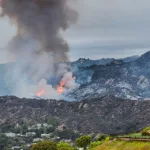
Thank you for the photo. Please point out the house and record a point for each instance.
(10, 134)
(45, 135)
(61, 127)
(30, 134)
(16, 148)
(37, 139)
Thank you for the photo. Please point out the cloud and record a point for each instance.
(112, 26)
(102, 26)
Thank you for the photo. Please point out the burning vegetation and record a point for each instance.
(60, 88)
(41, 93)
(38, 44)
(64, 84)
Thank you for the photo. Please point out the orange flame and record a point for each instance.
(41, 93)
(60, 88)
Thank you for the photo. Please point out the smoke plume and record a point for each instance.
(38, 45)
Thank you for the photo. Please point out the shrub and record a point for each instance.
(95, 144)
(46, 145)
(107, 138)
(102, 137)
(146, 132)
(83, 141)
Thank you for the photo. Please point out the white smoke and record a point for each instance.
(32, 70)
(38, 47)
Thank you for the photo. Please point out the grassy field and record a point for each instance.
(139, 134)
(123, 145)
(135, 135)
(133, 141)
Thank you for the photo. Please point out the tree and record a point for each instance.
(24, 129)
(64, 146)
(46, 145)
(101, 137)
(53, 121)
(146, 132)
(83, 141)
(3, 141)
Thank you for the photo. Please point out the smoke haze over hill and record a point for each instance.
(38, 45)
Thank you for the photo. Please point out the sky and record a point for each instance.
(106, 28)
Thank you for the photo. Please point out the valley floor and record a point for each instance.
(123, 145)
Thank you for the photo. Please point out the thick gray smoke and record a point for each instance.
(38, 44)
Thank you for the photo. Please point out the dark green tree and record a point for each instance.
(3, 142)
(101, 137)
(53, 121)
(83, 141)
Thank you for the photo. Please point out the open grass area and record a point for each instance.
(123, 145)
(135, 135)
(132, 141)
(143, 134)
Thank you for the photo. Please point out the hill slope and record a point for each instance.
(106, 115)
(123, 145)
(129, 80)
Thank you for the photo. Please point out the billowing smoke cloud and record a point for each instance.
(38, 45)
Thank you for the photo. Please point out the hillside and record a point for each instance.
(133, 141)
(123, 145)
(123, 79)
(103, 115)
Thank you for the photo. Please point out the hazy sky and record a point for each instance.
(106, 28)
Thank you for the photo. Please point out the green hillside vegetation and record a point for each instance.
(127, 142)
(146, 131)
(123, 145)
(132, 141)
(141, 135)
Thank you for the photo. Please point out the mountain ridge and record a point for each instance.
(129, 80)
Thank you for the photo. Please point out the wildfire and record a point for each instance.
(60, 88)
(41, 93)
(64, 84)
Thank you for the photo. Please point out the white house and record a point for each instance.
(29, 134)
(45, 135)
(10, 134)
